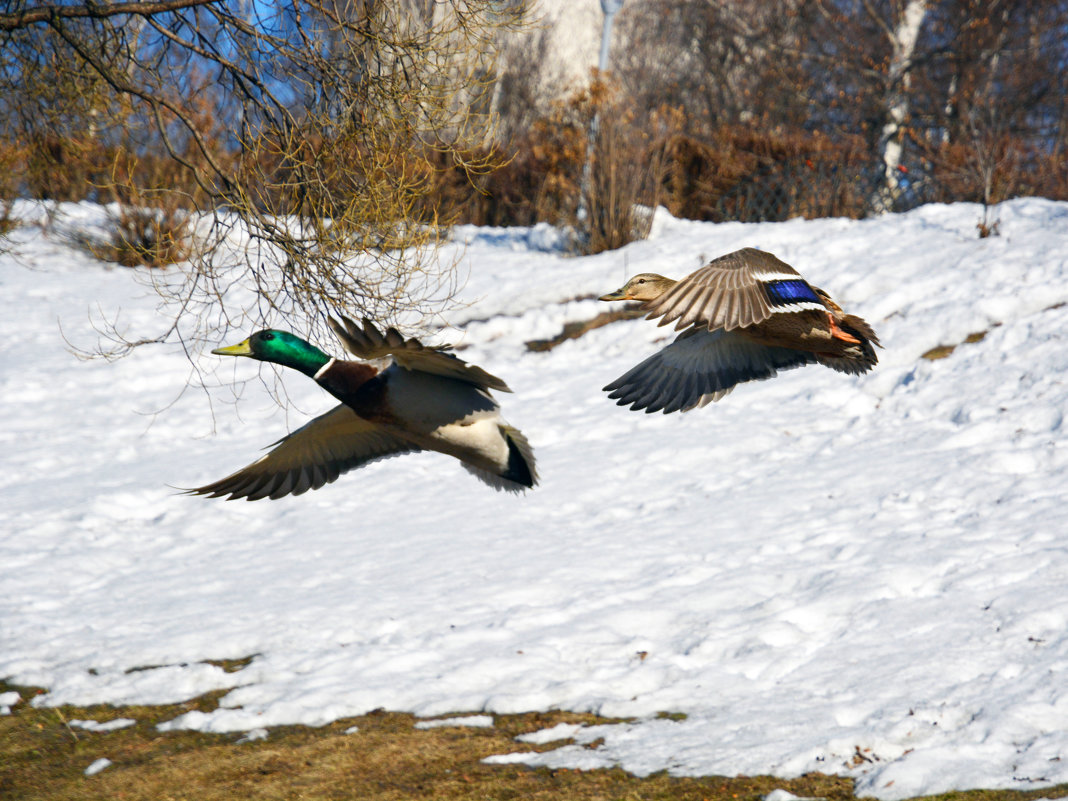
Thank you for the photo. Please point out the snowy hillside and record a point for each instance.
(864, 576)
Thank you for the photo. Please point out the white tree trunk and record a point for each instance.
(903, 39)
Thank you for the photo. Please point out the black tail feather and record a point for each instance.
(520, 459)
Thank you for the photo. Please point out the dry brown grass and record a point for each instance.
(574, 330)
(43, 758)
(942, 351)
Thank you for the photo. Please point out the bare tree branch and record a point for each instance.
(32, 16)
(308, 133)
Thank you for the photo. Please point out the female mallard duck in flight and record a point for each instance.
(747, 315)
(426, 399)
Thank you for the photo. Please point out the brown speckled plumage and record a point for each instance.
(743, 317)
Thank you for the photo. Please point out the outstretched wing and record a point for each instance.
(313, 455)
(737, 290)
(700, 366)
(367, 342)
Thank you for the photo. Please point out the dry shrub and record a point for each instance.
(7, 222)
(65, 168)
(990, 172)
(962, 172)
(639, 161)
(150, 212)
(146, 236)
(541, 181)
(626, 177)
(745, 173)
(117, 160)
(372, 191)
(542, 174)
(1045, 176)
(537, 179)
(751, 175)
(11, 159)
(12, 162)
(69, 168)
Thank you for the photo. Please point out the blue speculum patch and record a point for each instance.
(782, 293)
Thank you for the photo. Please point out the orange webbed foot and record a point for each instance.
(838, 333)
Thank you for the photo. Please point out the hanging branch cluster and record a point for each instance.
(307, 130)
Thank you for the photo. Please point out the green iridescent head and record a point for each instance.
(279, 347)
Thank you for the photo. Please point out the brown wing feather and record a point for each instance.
(726, 293)
(367, 342)
(312, 456)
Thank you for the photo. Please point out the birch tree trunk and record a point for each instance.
(903, 38)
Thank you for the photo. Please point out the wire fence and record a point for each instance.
(799, 187)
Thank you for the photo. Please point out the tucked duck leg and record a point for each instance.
(838, 333)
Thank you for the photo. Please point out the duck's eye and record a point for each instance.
(641, 280)
(267, 336)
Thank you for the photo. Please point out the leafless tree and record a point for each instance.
(908, 75)
(902, 31)
(723, 61)
(306, 130)
(989, 107)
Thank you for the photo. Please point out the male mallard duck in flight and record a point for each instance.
(426, 399)
(747, 315)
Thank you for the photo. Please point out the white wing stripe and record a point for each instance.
(765, 276)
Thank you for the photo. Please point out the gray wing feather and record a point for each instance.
(312, 456)
(700, 366)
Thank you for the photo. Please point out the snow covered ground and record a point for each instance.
(864, 576)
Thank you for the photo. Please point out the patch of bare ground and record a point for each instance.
(576, 329)
(380, 756)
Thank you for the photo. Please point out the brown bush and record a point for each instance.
(990, 172)
(746, 173)
(11, 159)
(146, 236)
(750, 175)
(541, 177)
(537, 180)
(731, 173)
(63, 168)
